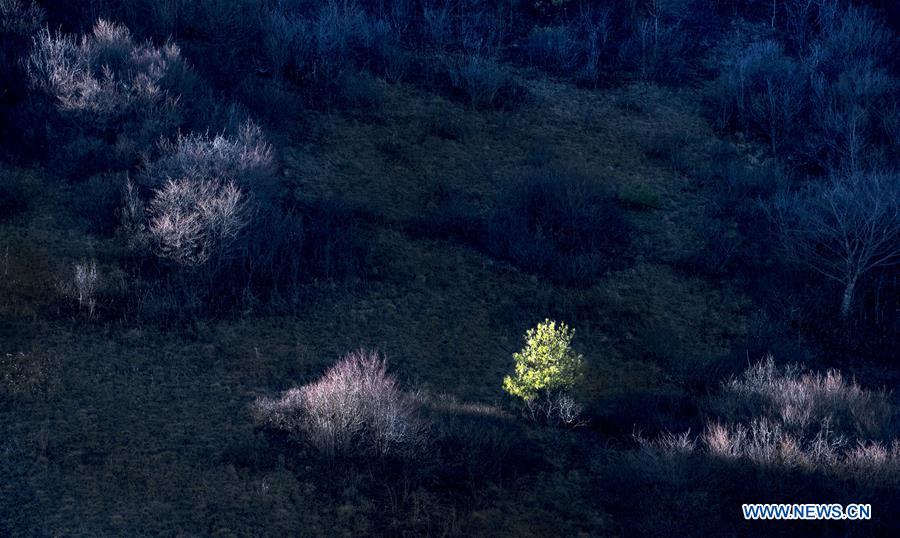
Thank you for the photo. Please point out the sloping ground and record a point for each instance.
(137, 430)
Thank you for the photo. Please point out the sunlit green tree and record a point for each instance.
(547, 369)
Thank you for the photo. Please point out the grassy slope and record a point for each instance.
(138, 427)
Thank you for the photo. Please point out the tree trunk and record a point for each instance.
(847, 300)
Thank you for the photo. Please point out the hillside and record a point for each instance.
(147, 341)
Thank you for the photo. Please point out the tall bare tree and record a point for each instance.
(843, 228)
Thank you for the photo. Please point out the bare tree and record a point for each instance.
(82, 287)
(356, 407)
(843, 228)
(191, 222)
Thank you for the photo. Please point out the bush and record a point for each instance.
(804, 402)
(547, 370)
(652, 41)
(277, 258)
(658, 50)
(108, 91)
(854, 85)
(203, 190)
(325, 48)
(321, 47)
(850, 35)
(766, 443)
(738, 188)
(319, 240)
(354, 409)
(18, 17)
(562, 226)
(787, 418)
(845, 118)
(554, 49)
(210, 207)
(222, 36)
(481, 81)
(820, 102)
(245, 159)
(760, 90)
(193, 222)
(81, 288)
(19, 21)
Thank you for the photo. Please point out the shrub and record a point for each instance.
(93, 291)
(554, 49)
(323, 49)
(650, 40)
(323, 46)
(845, 117)
(354, 409)
(222, 37)
(804, 402)
(481, 81)
(658, 49)
(245, 159)
(761, 90)
(738, 187)
(547, 370)
(563, 226)
(821, 101)
(108, 91)
(83, 286)
(19, 21)
(275, 258)
(193, 222)
(849, 35)
(787, 418)
(286, 249)
(20, 17)
(767, 443)
(203, 192)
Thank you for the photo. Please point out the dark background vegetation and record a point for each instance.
(204, 203)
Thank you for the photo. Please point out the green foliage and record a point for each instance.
(546, 364)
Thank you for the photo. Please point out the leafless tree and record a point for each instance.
(355, 407)
(843, 228)
(106, 75)
(83, 286)
(193, 221)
